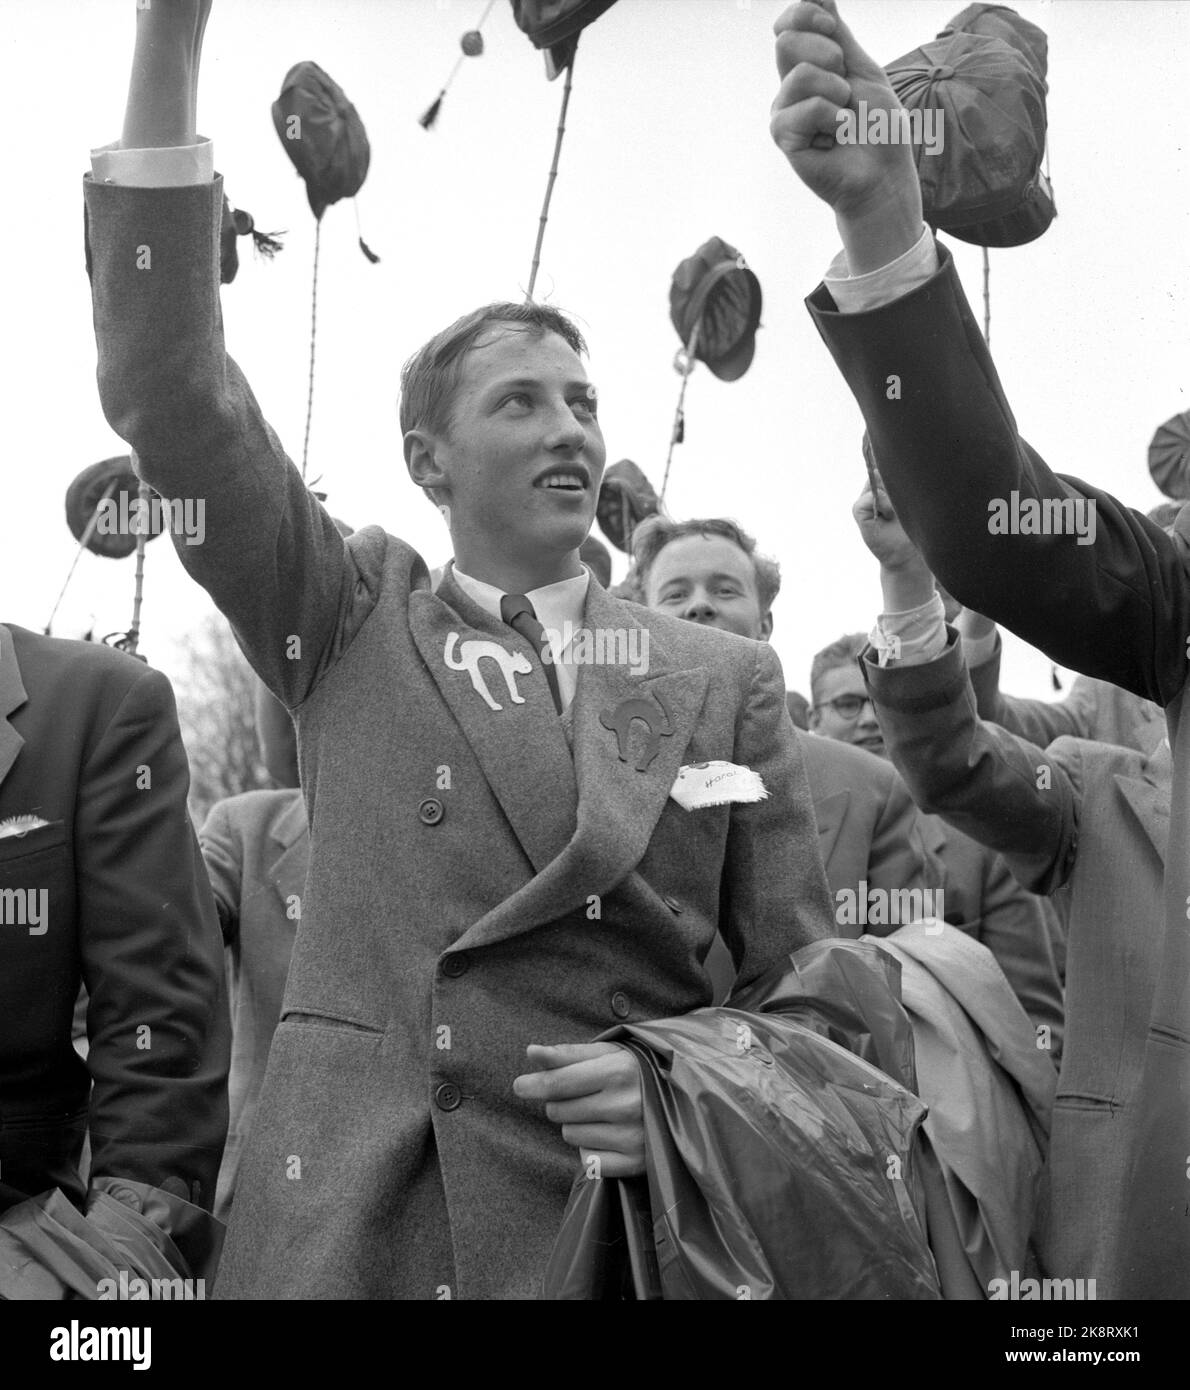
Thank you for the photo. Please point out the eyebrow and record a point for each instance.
(711, 579)
(519, 382)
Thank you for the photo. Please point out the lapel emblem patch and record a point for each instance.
(655, 717)
(471, 652)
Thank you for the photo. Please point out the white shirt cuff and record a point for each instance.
(173, 166)
(854, 294)
(911, 638)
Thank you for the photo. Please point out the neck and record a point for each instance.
(517, 576)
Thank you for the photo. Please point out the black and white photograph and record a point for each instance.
(594, 616)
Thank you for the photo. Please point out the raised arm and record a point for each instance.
(1039, 721)
(163, 88)
(1115, 606)
(991, 784)
(254, 535)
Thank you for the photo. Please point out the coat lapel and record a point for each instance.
(288, 870)
(521, 748)
(12, 697)
(829, 813)
(618, 804)
(1149, 798)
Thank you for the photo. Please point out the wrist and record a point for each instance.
(905, 587)
(881, 228)
(162, 87)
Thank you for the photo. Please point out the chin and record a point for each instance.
(566, 535)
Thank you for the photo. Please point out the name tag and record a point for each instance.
(716, 784)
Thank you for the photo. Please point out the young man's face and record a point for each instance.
(846, 684)
(523, 454)
(708, 579)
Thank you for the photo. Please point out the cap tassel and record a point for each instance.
(266, 243)
(471, 44)
(363, 245)
(428, 117)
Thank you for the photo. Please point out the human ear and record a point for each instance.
(422, 462)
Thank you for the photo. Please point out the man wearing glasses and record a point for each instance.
(840, 707)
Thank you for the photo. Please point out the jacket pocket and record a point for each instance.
(1081, 1100)
(45, 837)
(307, 1018)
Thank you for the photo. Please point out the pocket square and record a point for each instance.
(716, 784)
(20, 825)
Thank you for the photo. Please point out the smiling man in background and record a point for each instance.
(709, 572)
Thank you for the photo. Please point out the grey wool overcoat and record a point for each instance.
(474, 885)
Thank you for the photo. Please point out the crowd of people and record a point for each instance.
(387, 1030)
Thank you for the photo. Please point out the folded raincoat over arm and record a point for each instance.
(782, 1156)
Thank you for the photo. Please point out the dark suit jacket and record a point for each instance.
(868, 827)
(257, 851)
(870, 830)
(89, 743)
(474, 887)
(1118, 609)
(1091, 815)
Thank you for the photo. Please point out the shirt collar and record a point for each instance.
(556, 605)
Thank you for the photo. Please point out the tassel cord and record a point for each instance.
(691, 348)
(987, 299)
(313, 334)
(142, 539)
(430, 115)
(549, 187)
(88, 532)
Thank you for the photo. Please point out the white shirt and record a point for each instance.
(853, 294)
(559, 608)
(919, 635)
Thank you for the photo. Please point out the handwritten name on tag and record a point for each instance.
(716, 784)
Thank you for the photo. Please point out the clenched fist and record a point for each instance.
(873, 188)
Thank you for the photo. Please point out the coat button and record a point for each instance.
(620, 1005)
(448, 1096)
(430, 811)
(456, 965)
(672, 903)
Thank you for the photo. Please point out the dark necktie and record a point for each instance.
(517, 612)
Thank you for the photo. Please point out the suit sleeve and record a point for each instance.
(1039, 721)
(774, 896)
(950, 453)
(222, 853)
(269, 555)
(993, 785)
(152, 957)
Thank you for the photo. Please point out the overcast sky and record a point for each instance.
(667, 144)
